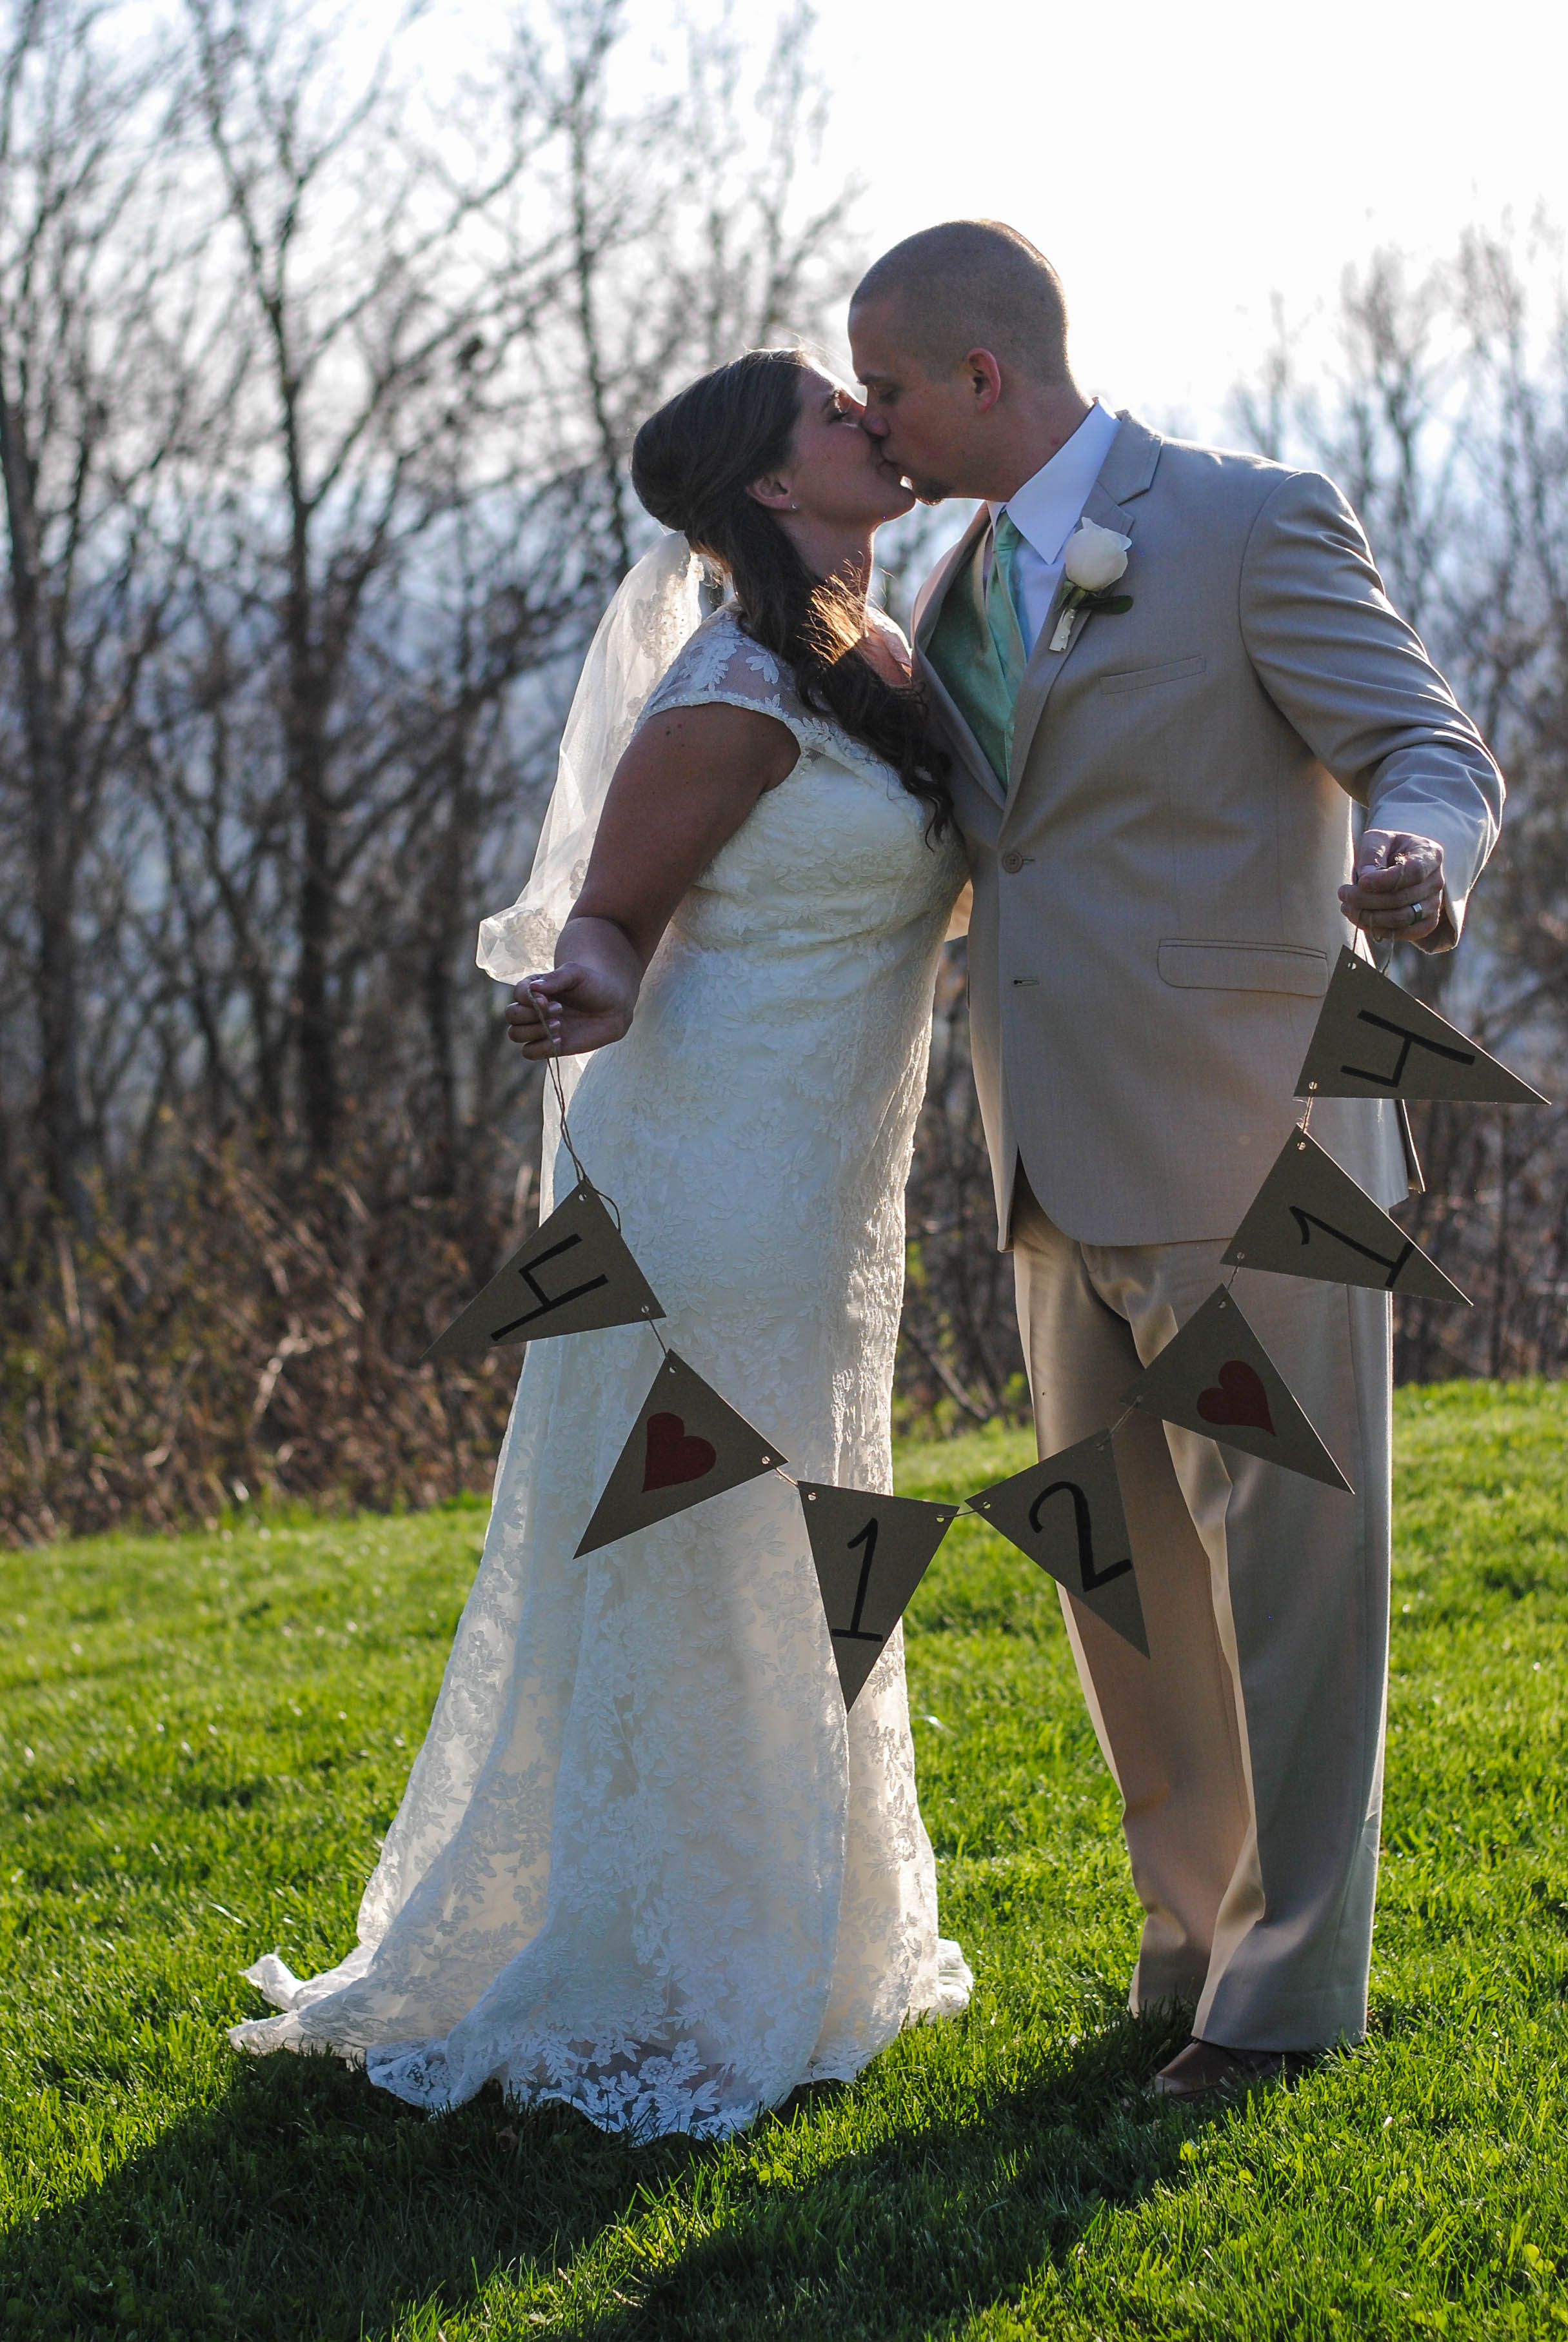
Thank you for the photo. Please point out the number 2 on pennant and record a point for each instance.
(852, 1633)
(1091, 1576)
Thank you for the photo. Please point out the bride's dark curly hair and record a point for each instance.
(692, 464)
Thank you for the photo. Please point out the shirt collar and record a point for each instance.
(1046, 509)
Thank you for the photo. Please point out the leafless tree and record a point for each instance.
(318, 487)
(1445, 419)
(101, 406)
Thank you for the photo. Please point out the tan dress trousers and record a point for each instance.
(1248, 1746)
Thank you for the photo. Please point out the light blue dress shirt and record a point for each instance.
(1047, 510)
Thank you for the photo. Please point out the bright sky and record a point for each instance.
(1182, 163)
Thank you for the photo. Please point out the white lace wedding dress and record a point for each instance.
(643, 1864)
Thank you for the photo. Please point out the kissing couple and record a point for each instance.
(646, 1865)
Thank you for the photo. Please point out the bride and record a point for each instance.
(644, 1865)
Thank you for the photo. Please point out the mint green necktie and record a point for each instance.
(976, 646)
(1001, 605)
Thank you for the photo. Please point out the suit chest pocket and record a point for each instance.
(1143, 679)
(1205, 966)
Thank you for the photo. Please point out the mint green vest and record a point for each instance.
(964, 656)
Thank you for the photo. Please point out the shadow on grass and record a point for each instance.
(907, 2241)
(305, 2205)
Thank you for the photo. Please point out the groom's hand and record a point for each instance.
(1397, 892)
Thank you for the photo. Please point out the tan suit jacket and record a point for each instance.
(1156, 907)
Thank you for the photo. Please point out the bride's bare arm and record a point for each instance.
(682, 789)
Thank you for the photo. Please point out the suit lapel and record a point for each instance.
(1126, 472)
(952, 573)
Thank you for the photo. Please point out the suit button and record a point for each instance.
(1012, 861)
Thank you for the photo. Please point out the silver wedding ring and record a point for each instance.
(1417, 913)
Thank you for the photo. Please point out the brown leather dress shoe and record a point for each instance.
(1207, 2070)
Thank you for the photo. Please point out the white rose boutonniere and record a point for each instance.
(1095, 557)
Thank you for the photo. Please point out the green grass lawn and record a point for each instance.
(201, 1738)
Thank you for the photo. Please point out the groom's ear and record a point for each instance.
(983, 372)
(771, 490)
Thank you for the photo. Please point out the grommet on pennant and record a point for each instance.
(1374, 1039)
(1067, 1514)
(574, 1274)
(687, 1444)
(871, 1553)
(1216, 1377)
(1310, 1218)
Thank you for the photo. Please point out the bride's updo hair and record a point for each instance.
(692, 464)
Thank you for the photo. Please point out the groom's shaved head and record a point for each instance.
(972, 284)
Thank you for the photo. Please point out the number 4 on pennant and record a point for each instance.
(574, 1274)
(1374, 1039)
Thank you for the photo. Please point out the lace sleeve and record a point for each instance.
(722, 664)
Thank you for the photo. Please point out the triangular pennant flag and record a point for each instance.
(1309, 1218)
(871, 1553)
(1217, 1378)
(1066, 1514)
(575, 1273)
(687, 1444)
(1374, 1039)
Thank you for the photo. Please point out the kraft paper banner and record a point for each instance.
(575, 1273)
(871, 1553)
(1217, 1378)
(1373, 1039)
(1310, 1218)
(1066, 1514)
(687, 1443)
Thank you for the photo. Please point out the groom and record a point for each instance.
(1157, 803)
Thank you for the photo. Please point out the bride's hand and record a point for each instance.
(566, 1011)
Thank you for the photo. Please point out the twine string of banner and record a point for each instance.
(1216, 1405)
(553, 1071)
(614, 1209)
(608, 1201)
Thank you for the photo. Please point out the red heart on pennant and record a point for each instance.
(675, 1456)
(1237, 1396)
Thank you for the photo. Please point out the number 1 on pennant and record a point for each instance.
(871, 1552)
(852, 1633)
